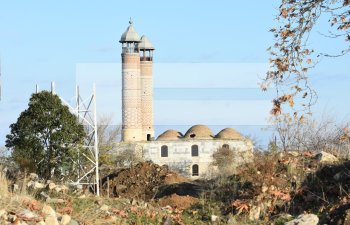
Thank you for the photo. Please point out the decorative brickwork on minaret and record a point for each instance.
(131, 102)
(147, 98)
(131, 86)
(146, 67)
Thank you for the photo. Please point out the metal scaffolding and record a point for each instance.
(86, 165)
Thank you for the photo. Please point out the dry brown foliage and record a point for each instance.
(291, 56)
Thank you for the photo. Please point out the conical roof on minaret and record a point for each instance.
(145, 43)
(130, 35)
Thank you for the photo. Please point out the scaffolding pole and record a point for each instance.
(96, 143)
(86, 112)
(87, 165)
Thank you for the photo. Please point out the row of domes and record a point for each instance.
(130, 35)
(199, 132)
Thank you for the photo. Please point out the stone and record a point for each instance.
(61, 188)
(12, 218)
(52, 185)
(134, 202)
(15, 188)
(33, 176)
(272, 188)
(264, 188)
(65, 219)
(48, 211)
(51, 220)
(26, 214)
(30, 184)
(44, 195)
(304, 219)
(213, 218)
(254, 213)
(325, 157)
(38, 185)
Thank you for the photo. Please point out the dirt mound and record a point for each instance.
(140, 181)
(173, 178)
(180, 202)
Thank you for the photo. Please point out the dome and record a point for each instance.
(170, 135)
(199, 132)
(228, 133)
(130, 35)
(145, 44)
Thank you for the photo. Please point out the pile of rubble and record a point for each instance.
(30, 212)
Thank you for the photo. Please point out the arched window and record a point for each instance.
(226, 146)
(194, 150)
(164, 151)
(195, 170)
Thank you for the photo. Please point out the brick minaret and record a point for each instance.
(131, 86)
(146, 67)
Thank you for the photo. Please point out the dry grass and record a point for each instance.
(3, 184)
(8, 200)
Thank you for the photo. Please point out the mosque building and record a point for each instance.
(191, 153)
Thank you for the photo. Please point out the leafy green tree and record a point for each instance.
(45, 137)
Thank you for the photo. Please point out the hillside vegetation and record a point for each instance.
(274, 188)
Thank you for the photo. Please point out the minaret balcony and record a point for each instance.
(130, 50)
(146, 58)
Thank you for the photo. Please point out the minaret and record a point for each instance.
(131, 86)
(146, 67)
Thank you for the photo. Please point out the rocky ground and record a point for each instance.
(276, 188)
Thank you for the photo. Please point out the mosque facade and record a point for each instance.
(189, 153)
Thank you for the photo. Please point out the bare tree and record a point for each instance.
(3, 151)
(224, 160)
(287, 131)
(126, 157)
(324, 135)
(108, 136)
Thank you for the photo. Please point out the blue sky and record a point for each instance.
(43, 41)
